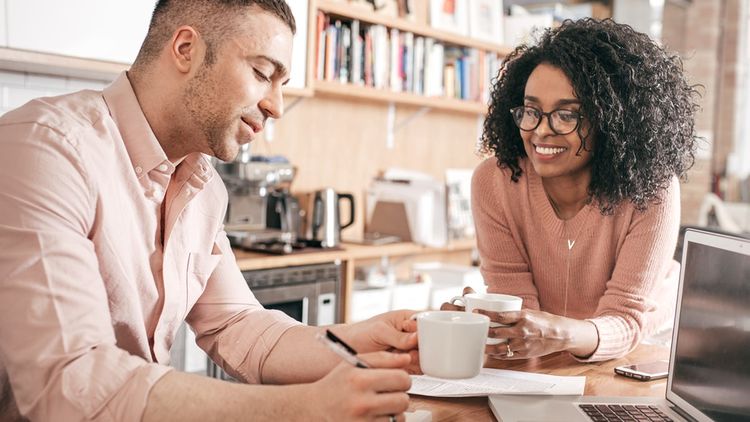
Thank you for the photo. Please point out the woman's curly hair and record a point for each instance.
(633, 92)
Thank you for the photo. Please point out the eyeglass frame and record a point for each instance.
(548, 114)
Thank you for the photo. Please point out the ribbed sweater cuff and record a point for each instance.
(615, 338)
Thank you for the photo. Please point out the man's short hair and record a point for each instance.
(213, 19)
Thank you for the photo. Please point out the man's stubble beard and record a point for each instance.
(200, 98)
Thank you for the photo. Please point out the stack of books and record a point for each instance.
(353, 52)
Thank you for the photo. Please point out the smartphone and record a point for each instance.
(645, 371)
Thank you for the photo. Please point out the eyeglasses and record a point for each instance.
(562, 122)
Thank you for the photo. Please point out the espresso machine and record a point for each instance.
(258, 188)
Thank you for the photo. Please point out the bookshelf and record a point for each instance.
(337, 89)
(472, 62)
(344, 11)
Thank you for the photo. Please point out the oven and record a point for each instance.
(307, 293)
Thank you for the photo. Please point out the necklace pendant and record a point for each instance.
(571, 243)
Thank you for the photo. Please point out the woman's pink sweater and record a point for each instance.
(618, 271)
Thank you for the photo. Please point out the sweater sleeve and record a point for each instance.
(643, 263)
(505, 266)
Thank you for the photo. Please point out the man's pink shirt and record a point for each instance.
(90, 298)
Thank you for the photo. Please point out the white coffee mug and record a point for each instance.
(451, 344)
(494, 302)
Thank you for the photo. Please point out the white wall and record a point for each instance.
(643, 15)
(111, 30)
(17, 88)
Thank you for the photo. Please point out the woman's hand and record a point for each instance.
(532, 333)
(449, 306)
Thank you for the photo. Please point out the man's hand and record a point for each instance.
(348, 393)
(391, 331)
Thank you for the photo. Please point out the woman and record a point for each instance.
(578, 210)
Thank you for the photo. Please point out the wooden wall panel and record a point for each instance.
(342, 144)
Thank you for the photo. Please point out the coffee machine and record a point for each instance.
(257, 188)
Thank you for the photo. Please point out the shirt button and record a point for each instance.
(138, 169)
(163, 167)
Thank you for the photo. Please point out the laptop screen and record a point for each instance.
(711, 357)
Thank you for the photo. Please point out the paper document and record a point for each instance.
(497, 381)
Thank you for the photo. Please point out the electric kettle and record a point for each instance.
(326, 216)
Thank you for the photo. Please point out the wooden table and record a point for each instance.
(600, 381)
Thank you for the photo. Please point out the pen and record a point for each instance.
(348, 353)
(342, 349)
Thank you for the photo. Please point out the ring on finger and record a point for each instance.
(392, 418)
(510, 352)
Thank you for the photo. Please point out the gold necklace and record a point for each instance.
(556, 208)
(571, 243)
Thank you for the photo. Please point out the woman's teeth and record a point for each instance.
(548, 151)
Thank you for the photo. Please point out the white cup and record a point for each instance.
(451, 344)
(494, 302)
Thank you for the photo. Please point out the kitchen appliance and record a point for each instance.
(324, 218)
(248, 185)
(258, 187)
(283, 213)
(412, 209)
(307, 293)
(284, 218)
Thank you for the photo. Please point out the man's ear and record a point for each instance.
(186, 48)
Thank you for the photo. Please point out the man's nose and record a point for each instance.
(272, 104)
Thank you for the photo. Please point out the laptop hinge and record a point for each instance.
(683, 414)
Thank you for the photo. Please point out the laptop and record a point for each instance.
(709, 370)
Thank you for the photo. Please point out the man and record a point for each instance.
(111, 234)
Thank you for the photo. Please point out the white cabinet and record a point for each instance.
(110, 30)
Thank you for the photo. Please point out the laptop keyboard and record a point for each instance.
(625, 413)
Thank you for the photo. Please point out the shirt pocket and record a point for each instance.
(199, 270)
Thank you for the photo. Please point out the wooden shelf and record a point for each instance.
(346, 11)
(297, 92)
(349, 251)
(258, 261)
(357, 251)
(337, 89)
(55, 64)
(365, 93)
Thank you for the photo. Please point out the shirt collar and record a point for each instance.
(140, 141)
(145, 151)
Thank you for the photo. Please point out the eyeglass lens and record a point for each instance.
(562, 122)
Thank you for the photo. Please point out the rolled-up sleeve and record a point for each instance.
(57, 343)
(230, 324)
